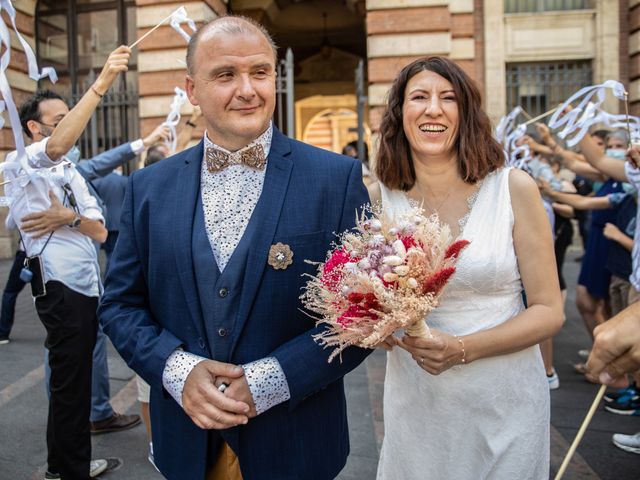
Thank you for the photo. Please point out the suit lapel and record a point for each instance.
(187, 192)
(262, 227)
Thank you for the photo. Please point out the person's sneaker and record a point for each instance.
(96, 467)
(622, 394)
(628, 443)
(4, 340)
(150, 457)
(554, 380)
(625, 406)
(116, 423)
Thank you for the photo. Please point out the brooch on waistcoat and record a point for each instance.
(280, 256)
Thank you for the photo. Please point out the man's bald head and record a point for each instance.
(229, 24)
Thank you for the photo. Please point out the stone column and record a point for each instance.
(494, 59)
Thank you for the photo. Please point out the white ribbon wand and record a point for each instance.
(178, 16)
(576, 119)
(507, 124)
(173, 118)
(583, 428)
(5, 88)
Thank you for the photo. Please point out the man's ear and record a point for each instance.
(189, 87)
(32, 125)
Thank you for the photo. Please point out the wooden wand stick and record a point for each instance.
(583, 428)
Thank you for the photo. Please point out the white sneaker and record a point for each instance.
(628, 443)
(96, 467)
(554, 380)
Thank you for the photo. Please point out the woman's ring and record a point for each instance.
(422, 360)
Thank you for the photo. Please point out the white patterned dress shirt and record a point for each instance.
(229, 197)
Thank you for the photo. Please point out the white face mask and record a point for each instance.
(73, 155)
(617, 154)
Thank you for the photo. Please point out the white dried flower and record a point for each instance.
(364, 264)
(401, 270)
(390, 277)
(399, 247)
(412, 283)
(392, 260)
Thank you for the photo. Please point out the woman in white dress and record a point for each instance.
(473, 401)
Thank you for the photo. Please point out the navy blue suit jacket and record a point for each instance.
(152, 305)
(111, 189)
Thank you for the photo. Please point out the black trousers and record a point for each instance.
(71, 322)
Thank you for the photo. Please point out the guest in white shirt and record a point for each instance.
(58, 219)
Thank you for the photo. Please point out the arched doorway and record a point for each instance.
(329, 122)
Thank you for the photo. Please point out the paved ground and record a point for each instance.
(23, 410)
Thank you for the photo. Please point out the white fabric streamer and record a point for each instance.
(518, 155)
(173, 118)
(178, 18)
(577, 121)
(5, 90)
(507, 124)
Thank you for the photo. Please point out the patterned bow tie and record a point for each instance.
(253, 157)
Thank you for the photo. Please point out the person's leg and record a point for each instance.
(100, 393)
(71, 323)
(144, 397)
(546, 348)
(590, 308)
(11, 290)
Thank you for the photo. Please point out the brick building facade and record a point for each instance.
(529, 52)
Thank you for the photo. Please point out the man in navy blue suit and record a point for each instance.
(201, 297)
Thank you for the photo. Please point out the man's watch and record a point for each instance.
(77, 220)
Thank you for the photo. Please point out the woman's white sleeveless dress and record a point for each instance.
(488, 419)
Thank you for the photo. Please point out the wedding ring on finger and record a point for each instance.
(421, 360)
(222, 387)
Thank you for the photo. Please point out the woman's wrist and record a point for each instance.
(463, 351)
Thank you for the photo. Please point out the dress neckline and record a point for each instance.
(471, 202)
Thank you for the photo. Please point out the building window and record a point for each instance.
(524, 6)
(538, 87)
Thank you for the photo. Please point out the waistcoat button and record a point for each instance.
(223, 292)
(222, 332)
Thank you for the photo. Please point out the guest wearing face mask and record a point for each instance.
(592, 292)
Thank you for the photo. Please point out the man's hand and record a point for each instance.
(616, 346)
(544, 132)
(47, 221)
(205, 404)
(611, 232)
(161, 133)
(238, 389)
(117, 63)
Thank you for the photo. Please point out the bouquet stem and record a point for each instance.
(418, 329)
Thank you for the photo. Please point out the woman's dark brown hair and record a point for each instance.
(478, 152)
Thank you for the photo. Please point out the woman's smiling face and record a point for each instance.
(430, 115)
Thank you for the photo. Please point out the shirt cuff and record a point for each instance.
(137, 146)
(267, 383)
(176, 370)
